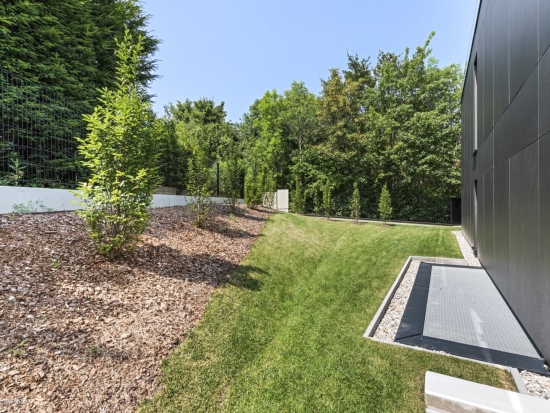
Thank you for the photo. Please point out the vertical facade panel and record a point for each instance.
(488, 46)
(481, 219)
(500, 53)
(544, 94)
(488, 216)
(480, 88)
(544, 163)
(501, 273)
(518, 127)
(523, 42)
(544, 26)
(524, 239)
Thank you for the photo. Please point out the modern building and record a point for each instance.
(506, 156)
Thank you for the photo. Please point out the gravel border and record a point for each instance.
(537, 385)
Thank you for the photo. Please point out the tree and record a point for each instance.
(231, 167)
(121, 154)
(69, 45)
(171, 165)
(355, 205)
(199, 188)
(384, 206)
(298, 199)
(327, 199)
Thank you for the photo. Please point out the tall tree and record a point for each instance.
(69, 45)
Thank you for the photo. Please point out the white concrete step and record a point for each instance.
(452, 395)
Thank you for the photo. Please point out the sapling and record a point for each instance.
(120, 151)
(384, 206)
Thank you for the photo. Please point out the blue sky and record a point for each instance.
(235, 50)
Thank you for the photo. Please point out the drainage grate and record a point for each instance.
(460, 311)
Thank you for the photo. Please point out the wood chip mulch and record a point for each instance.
(80, 333)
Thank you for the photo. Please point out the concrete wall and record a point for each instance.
(512, 165)
(42, 200)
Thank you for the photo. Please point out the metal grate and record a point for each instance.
(464, 306)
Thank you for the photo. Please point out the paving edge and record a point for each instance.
(375, 322)
(451, 394)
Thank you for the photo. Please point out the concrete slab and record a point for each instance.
(449, 394)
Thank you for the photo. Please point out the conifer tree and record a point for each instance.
(384, 206)
(327, 199)
(355, 203)
(298, 199)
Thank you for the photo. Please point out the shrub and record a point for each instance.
(384, 206)
(199, 188)
(355, 205)
(120, 152)
(299, 199)
(252, 189)
(327, 199)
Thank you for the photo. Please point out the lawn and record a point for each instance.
(285, 335)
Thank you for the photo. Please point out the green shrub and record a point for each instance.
(327, 199)
(299, 199)
(199, 187)
(384, 206)
(120, 152)
(355, 205)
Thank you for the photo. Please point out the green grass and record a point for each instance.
(286, 334)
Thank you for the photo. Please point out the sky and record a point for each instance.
(235, 50)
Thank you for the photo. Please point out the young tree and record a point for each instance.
(232, 168)
(355, 205)
(327, 199)
(199, 188)
(298, 199)
(384, 206)
(121, 154)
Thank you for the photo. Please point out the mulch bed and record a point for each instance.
(80, 333)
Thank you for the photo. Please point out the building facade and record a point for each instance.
(506, 156)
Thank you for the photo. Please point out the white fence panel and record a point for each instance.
(23, 199)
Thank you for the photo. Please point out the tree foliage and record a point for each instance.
(394, 122)
(69, 45)
(384, 206)
(121, 154)
(355, 204)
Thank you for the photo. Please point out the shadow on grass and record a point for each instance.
(241, 277)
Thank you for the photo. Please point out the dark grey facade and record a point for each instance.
(506, 156)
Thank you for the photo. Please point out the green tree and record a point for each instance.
(327, 199)
(355, 205)
(384, 206)
(121, 154)
(171, 165)
(69, 45)
(298, 199)
(199, 187)
(231, 168)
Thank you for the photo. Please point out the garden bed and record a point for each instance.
(80, 333)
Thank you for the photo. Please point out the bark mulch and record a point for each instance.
(79, 333)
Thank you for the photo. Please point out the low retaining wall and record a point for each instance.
(23, 199)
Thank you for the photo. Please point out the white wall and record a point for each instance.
(282, 200)
(44, 199)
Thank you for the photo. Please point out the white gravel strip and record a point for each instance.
(387, 329)
(536, 384)
(466, 250)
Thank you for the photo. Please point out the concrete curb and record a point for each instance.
(450, 394)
